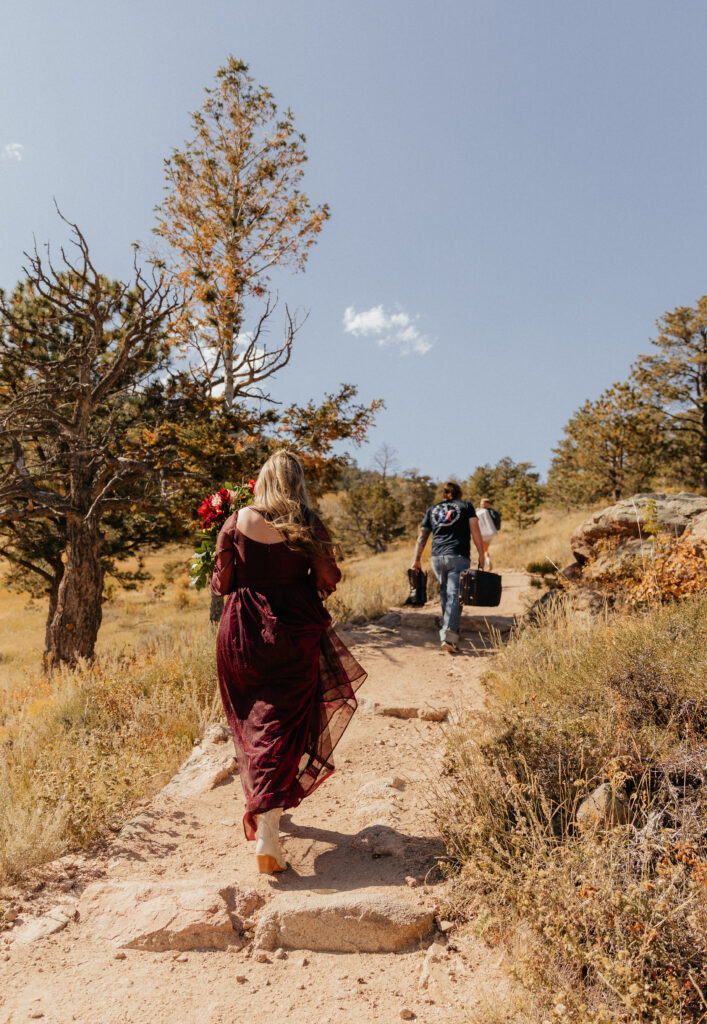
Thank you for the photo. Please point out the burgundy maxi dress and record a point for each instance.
(287, 682)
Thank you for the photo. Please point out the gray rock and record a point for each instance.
(212, 761)
(603, 808)
(158, 916)
(380, 840)
(626, 520)
(378, 812)
(53, 921)
(390, 619)
(343, 923)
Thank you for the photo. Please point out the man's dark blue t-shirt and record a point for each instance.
(449, 523)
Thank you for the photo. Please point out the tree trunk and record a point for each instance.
(216, 610)
(703, 433)
(53, 598)
(77, 616)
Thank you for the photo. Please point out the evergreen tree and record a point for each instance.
(611, 447)
(233, 211)
(371, 516)
(415, 492)
(673, 381)
(521, 500)
(77, 354)
(505, 485)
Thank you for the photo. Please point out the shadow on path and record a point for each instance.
(376, 856)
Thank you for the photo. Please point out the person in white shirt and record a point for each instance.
(489, 524)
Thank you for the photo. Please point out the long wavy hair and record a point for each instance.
(280, 496)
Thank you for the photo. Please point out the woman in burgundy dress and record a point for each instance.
(286, 680)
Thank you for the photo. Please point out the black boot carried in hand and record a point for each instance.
(417, 579)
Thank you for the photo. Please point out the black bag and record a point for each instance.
(417, 580)
(480, 588)
(495, 518)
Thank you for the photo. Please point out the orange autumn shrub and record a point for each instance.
(676, 568)
(666, 569)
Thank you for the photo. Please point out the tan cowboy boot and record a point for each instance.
(268, 852)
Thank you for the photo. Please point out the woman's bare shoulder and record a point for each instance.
(249, 515)
(253, 525)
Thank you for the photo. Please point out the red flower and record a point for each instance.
(214, 510)
(251, 485)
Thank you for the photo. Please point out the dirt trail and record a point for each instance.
(338, 841)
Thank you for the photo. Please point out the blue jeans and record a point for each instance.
(447, 569)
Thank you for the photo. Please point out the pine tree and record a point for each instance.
(77, 353)
(371, 516)
(673, 382)
(501, 483)
(610, 448)
(233, 211)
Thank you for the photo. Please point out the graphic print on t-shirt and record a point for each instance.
(448, 521)
(445, 513)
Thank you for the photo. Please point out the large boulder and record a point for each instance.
(611, 546)
(626, 522)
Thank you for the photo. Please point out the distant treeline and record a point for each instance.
(372, 507)
(647, 433)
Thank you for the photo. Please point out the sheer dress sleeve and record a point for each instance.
(325, 571)
(222, 579)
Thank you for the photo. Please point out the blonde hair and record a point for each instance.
(280, 496)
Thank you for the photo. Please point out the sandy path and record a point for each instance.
(72, 977)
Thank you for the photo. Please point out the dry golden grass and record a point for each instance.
(371, 585)
(80, 749)
(548, 539)
(578, 703)
(130, 617)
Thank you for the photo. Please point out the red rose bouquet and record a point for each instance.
(213, 512)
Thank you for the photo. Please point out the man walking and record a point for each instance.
(452, 523)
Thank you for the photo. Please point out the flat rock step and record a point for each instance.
(157, 916)
(344, 923)
(212, 761)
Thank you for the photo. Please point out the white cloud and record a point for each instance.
(14, 151)
(398, 329)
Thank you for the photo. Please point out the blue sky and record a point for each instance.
(518, 187)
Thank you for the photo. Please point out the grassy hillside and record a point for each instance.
(166, 602)
(605, 924)
(81, 748)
